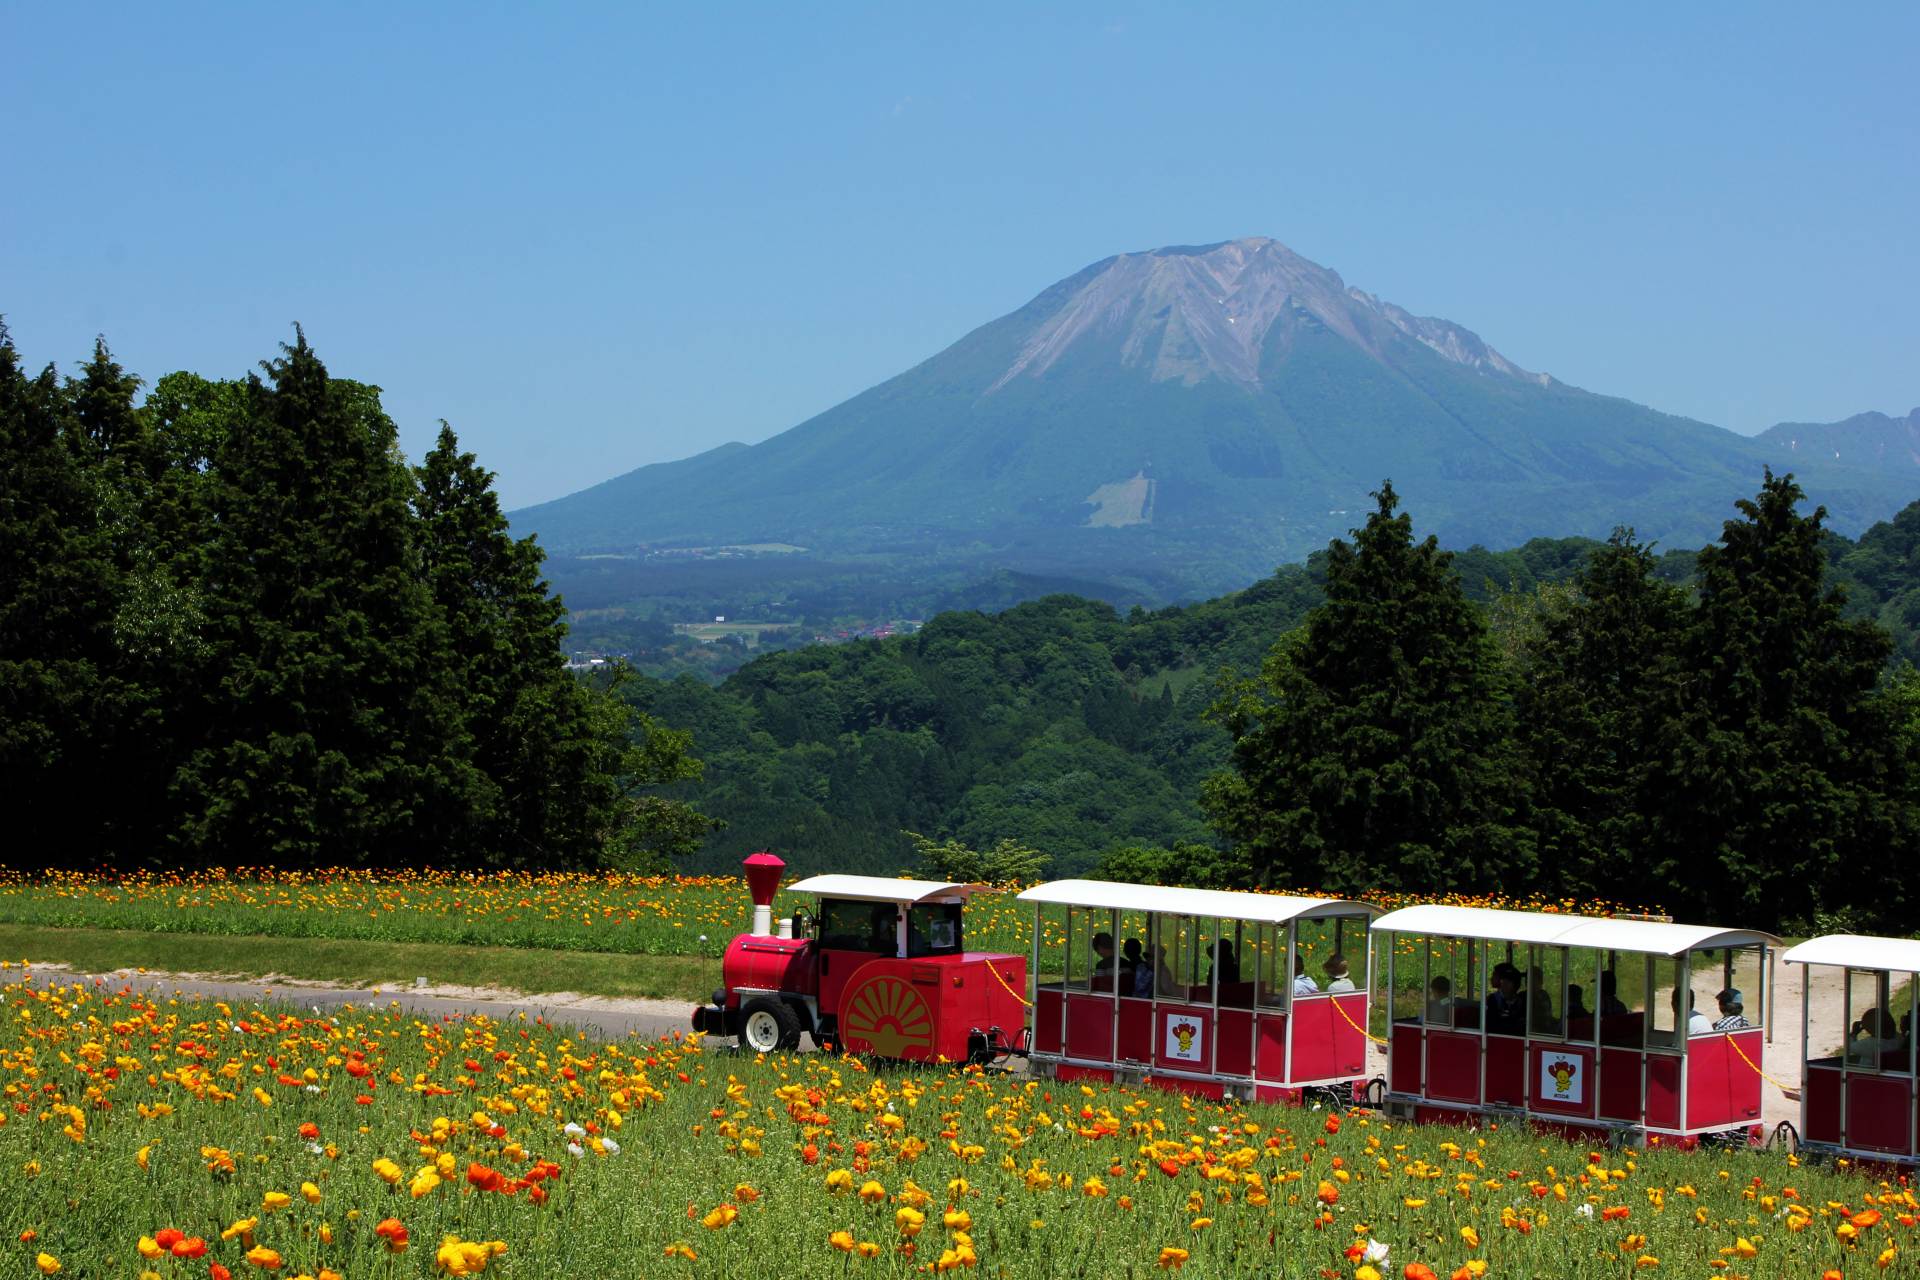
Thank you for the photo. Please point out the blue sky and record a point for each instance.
(597, 237)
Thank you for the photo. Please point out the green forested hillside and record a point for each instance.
(1068, 725)
(1059, 722)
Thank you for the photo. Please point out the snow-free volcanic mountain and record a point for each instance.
(1189, 417)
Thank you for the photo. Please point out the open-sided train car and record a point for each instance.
(1632, 1028)
(1206, 991)
(1859, 1096)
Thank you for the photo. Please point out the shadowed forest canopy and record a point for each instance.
(237, 629)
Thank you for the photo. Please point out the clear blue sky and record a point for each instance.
(594, 238)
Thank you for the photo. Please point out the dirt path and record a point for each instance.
(611, 1018)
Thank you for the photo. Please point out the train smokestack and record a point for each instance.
(763, 881)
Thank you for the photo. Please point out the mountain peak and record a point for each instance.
(1186, 313)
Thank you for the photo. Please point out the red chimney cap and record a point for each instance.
(763, 876)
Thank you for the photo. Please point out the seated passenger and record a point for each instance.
(1225, 967)
(1732, 1011)
(1577, 1003)
(1337, 979)
(1303, 983)
(1540, 1003)
(1129, 965)
(1506, 1014)
(1611, 1005)
(1697, 1022)
(1156, 977)
(1103, 963)
(1876, 1033)
(1440, 1001)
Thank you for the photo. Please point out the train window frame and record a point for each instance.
(868, 911)
(919, 945)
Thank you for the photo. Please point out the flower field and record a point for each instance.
(642, 915)
(173, 1139)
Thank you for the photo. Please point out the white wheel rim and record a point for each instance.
(762, 1031)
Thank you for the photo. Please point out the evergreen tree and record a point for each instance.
(57, 592)
(542, 797)
(150, 616)
(330, 736)
(1595, 679)
(1787, 791)
(1374, 748)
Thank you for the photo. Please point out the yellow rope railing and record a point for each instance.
(1356, 1026)
(1008, 985)
(1790, 1092)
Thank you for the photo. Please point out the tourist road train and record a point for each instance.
(1605, 1028)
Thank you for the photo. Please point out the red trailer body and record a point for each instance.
(1201, 990)
(1490, 1018)
(1860, 1094)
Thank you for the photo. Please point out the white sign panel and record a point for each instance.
(1186, 1038)
(1563, 1079)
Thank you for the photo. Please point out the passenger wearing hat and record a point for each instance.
(1731, 1016)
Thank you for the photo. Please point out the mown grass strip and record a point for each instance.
(366, 964)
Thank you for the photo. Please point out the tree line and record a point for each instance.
(238, 628)
(1739, 752)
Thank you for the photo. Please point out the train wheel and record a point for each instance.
(769, 1026)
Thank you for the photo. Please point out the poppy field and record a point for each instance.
(162, 1138)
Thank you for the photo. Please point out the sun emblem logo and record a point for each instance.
(890, 1017)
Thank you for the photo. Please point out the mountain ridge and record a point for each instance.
(1253, 398)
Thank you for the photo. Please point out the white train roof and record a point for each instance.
(1221, 904)
(1652, 937)
(881, 889)
(1857, 951)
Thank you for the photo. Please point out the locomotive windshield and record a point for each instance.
(848, 925)
(933, 929)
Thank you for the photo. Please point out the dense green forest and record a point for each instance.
(1091, 735)
(238, 629)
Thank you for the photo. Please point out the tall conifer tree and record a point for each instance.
(539, 796)
(57, 591)
(327, 737)
(1594, 682)
(1374, 749)
(1787, 790)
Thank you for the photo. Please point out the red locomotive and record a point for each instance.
(881, 969)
